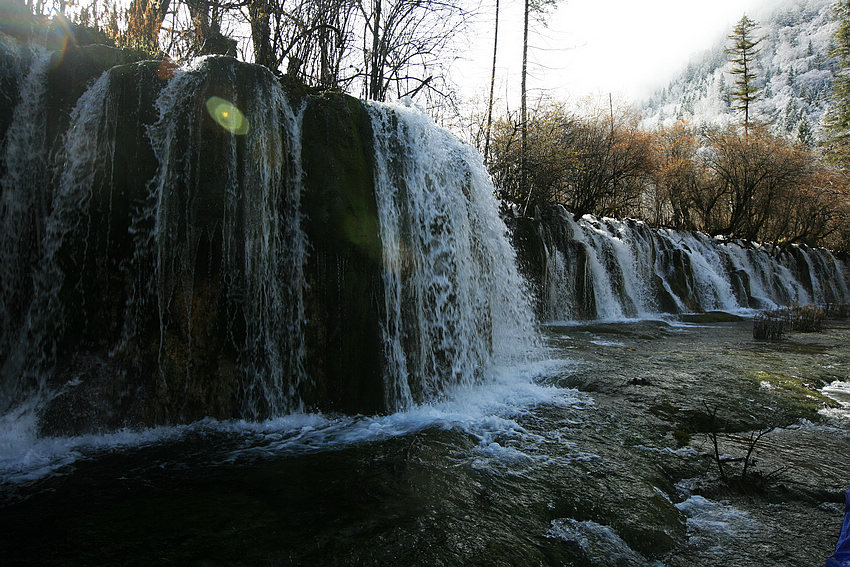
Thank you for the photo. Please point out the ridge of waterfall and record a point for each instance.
(65, 212)
(263, 247)
(613, 269)
(24, 202)
(455, 302)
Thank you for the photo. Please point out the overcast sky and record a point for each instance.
(593, 47)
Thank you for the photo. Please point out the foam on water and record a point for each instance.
(713, 526)
(488, 413)
(599, 545)
(840, 392)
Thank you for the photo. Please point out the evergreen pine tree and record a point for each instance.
(742, 56)
(791, 113)
(837, 121)
(805, 134)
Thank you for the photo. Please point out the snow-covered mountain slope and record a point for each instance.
(794, 72)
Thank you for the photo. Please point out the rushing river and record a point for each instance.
(591, 456)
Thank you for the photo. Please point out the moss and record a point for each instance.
(682, 436)
(796, 394)
(680, 277)
(711, 317)
(344, 272)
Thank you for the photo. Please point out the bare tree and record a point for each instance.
(755, 171)
(492, 86)
(405, 44)
(207, 17)
(313, 37)
(539, 9)
(594, 163)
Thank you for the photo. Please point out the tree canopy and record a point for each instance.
(377, 49)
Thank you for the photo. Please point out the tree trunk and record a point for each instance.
(492, 88)
(524, 111)
(375, 78)
(259, 12)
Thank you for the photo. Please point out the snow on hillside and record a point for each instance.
(794, 72)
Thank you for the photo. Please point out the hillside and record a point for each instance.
(793, 68)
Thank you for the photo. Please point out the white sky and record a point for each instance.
(593, 47)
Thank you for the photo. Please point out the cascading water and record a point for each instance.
(611, 269)
(217, 239)
(249, 207)
(455, 304)
(24, 203)
(172, 276)
(211, 251)
(166, 252)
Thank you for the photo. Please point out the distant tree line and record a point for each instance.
(716, 180)
(378, 49)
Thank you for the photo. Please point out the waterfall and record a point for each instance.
(455, 303)
(240, 193)
(183, 242)
(210, 254)
(613, 269)
(24, 202)
(167, 256)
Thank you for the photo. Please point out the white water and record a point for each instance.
(85, 144)
(456, 306)
(629, 268)
(264, 248)
(24, 202)
(485, 412)
(600, 545)
(840, 392)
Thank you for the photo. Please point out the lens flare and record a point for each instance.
(227, 115)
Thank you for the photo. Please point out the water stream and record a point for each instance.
(573, 460)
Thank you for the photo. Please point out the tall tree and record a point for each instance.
(837, 121)
(742, 55)
(523, 101)
(539, 8)
(492, 86)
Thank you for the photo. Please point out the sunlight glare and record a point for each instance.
(227, 115)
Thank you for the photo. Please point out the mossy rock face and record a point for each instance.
(527, 239)
(583, 284)
(345, 298)
(94, 257)
(680, 277)
(740, 282)
(73, 70)
(181, 359)
(663, 298)
(172, 366)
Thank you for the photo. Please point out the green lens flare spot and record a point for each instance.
(227, 115)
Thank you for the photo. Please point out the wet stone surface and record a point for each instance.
(607, 460)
